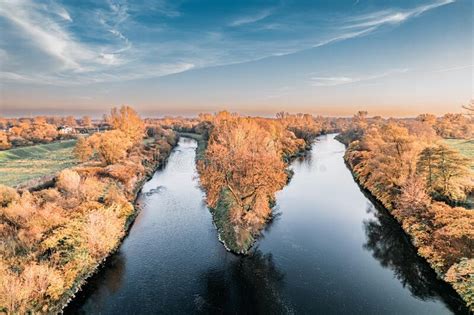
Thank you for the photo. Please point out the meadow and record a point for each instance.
(22, 164)
(466, 147)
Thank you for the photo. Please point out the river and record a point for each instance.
(328, 250)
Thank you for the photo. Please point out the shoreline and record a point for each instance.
(82, 280)
(253, 238)
(411, 239)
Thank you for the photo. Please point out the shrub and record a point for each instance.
(7, 195)
(103, 229)
(83, 150)
(68, 181)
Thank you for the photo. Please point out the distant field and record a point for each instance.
(466, 147)
(22, 164)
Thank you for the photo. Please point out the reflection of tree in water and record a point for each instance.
(99, 287)
(392, 248)
(250, 285)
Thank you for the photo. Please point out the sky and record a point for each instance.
(174, 57)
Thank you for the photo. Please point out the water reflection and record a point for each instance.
(250, 285)
(106, 282)
(310, 260)
(392, 248)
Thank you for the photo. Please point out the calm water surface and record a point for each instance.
(328, 251)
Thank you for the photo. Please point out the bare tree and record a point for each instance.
(470, 108)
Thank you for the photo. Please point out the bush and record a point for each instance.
(68, 181)
(7, 195)
(103, 229)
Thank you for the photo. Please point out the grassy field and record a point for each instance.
(466, 147)
(22, 164)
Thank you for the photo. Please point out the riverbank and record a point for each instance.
(459, 276)
(227, 231)
(202, 143)
(55, 238)
(155, 160)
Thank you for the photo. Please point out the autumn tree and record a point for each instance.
(112, 146)
(446, 171)
(70, 121)
(127, 120)
(83, 150)
(4, 142)
(414, 199)
(243, 158)
(393, 152)
(241, 170)
(454, 126)
(428, 119)
(86, 121)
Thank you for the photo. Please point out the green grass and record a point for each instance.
(201, 149)
(466, 147)
(22, 164)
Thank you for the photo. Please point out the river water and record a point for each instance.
(329, 250)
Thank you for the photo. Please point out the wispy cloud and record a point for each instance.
(344, 36)
(37, 23)
(368, 23)
(324, 81)
(455, 68)
(107, 42)
(379, 18)
(248, 19)
(40, 26)
(46, 34)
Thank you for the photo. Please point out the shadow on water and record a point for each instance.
(249, 285)
(390, 245)
(108, 280)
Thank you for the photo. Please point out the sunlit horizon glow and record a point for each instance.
(394, 59)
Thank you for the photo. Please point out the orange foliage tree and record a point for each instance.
(242, 168)
(127, 120)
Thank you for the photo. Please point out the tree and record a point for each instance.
(454, 126)
(112, 146)
(70, 121)
(426, 163)
(446, 171)
(4, 142)
(86, 121)
(428, 119)
(83, 150)
(127, 120)
(469, 107)
(243, 167)
(413, 200)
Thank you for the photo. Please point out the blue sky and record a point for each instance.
(256, 57)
